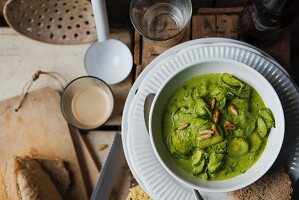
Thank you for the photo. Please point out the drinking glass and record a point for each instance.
(160, 20)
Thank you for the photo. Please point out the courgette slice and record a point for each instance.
(198, 169)
(230, 80)
(201, 108)
(221, 103)
(197, 156)
(209, 142)
(268, 117)
(255, 142)
(220, 147)
(204, 176)
(239, 133)
(198, 122)
(245, 92)
(237, 147)
(174, 151)
(261, 127)
(179, 146)
(181, 118)
(200, 91)
(251, 124)
(215, 162)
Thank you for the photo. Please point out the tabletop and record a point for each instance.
(20, 57)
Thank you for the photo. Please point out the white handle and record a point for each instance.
(101, 19)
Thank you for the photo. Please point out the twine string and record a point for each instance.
(55, 75)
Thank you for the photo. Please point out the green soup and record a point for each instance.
(216, 126)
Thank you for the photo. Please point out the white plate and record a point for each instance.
(141, 159)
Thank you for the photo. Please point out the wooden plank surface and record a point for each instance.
(210, 22)
(203, 26)
(20, 57)
(151, 49)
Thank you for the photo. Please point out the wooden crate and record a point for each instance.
(207, 22)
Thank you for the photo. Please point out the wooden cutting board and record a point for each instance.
(39, 130)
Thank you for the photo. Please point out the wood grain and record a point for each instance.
(151, 49)
(203, 26)
(211, 22)
(227, 26)
(39, 130)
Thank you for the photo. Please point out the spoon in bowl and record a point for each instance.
(107, 59)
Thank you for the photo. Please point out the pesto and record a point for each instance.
(216, 126)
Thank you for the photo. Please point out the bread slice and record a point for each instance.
(136, 193)
(23, 178)
(274, 185)
(3, 190)
(57, 170)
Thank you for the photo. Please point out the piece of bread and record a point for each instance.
(274, 185)
(136, 193)
(57, 170)
(22, 178)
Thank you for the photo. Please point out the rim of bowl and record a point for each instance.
(64, 114)
(228, 189)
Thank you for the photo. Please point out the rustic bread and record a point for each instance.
(23, 178)
(57, 170)
(136, 193)
(274, 185)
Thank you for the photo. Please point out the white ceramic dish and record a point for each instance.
(244, 73)
(147, 170)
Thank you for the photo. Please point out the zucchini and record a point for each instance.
(261, 127)
(204, 176)
(245, 92)
(238, 133)
(197, 156)
(230, 80)
(179, 146)
(242, 92)
(251, 124)
(221, 103)
(237, 147)
(181, 118)
(268, 117)
(198, 122)
(201, 108)
(208, 142)
(198, 169)
(178, 154)
(215, 162)
(255, 142)
(219, 93)
(241, 104)
(235, 86)
(220, 147)
(200, 91)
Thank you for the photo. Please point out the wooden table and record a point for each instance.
(208, 22)
(20, 57)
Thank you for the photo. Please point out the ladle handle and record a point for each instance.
(101, 19)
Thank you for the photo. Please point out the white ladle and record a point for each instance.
(107, 59)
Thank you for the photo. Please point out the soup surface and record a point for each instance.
(216, 126)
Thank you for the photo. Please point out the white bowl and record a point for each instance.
(246, 74)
